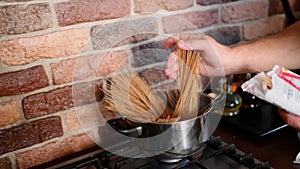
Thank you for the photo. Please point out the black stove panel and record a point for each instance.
(215, 155)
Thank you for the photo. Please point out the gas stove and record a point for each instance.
(214, 154)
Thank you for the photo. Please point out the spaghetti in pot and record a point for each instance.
(131, 96)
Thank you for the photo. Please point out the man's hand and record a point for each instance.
(213, 54)
(291, 119)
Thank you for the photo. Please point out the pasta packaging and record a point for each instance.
(280, 87)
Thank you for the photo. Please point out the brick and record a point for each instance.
(98, 90)
(226, 35)
(89, 116)
(72, 121)
(52, 45)
(15, 0)
(107, 114)
(61, 99)
(142, 6)
(124, 32)
(17, 19)
(9, 113)
(189, 21)
(153, 75)
(149, 53)
(113, 62)
(28, 134)
(210, 2)
(262, 28)
(83, 67)
(48, 102)
(78, 11)
(63, 72)
(275, 6)
(88, 92)
(23, 81)
(53, 150)
(245, 11)
(5, 163)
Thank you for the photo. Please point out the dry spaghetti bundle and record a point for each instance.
(268, 81)
(131, 96)
(188, 83)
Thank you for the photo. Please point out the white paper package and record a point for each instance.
(284, 92)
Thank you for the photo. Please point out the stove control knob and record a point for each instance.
(215, 142)
(248, 159)
(230, 150)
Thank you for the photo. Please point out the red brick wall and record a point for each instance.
(53, 55)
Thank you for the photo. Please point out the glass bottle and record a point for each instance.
(249, 101)
(233, 100)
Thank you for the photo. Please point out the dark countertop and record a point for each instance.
(279, 148)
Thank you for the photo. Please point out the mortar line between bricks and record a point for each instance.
(53, 14)
(13, 160)
(132, 7)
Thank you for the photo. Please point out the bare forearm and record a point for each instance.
(261, 55)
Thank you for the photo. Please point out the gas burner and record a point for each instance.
(216, 154)
(169, 161)
(165, 160)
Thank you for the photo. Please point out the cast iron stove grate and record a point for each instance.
(216, 155)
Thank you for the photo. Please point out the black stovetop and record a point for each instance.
(215, 154)
(259, 121)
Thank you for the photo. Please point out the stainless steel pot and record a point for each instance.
(170, 140)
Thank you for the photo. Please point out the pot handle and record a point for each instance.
(126, 127)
